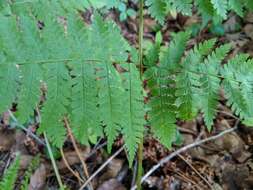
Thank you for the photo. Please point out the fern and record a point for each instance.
(183, 6)
(9, 178)
(161, 105)
(9, 71)
(220, 7)
(238, 85)
(157, 9)
(78, 64)
(210, 83)
(211, 9)
(32, 73)
(133, 125)
(237, 6)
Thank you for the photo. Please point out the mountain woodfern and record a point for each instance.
(212, 9)
(52, 61)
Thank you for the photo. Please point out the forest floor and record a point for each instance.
(225, 163)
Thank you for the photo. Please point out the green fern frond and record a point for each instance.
(182, 6)
(9, 178)
(221, 7)
(84, 102)
(237, 6)
(84, 86)
(158, 9)
(188, 80)
(9, 72)
(172, 55)
(205, 7)
(133, 124)
(55, 107)
(110, 103)
(31, 78)
(162, 103)
(187, 83)
(237, 83)
(57, 80)
(210, 83)
(109, 47)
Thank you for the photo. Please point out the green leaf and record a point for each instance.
(182, 6)
(133, 124)
(210, 83)
(9, 178)
(221, 7)
(157, 9)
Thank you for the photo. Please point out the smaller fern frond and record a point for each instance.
(182, 6)
(172, 55)
(221, 7)
(237, 6)
(158, 9)
(9, 178)
(133, 124)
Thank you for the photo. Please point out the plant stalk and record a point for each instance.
(54, 163)
(140, 149)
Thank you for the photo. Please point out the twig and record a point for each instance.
(77, 150)
(54, 163)
(195, 170)
(183, 149)
(69, 168)
(101, 168)
(96, 148)
(30, 133)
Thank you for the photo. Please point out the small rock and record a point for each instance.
(248, 29)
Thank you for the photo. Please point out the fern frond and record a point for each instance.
(133, 124)
(9, 178)
(110, 103)
(162, 86)
(182, 6)
(238, 85)
(31, 78)
(210, 83)
(187, 83)
(237, 6)
(84, 86)
(10, 55)
(221, 7)
(205, 7)
(188, 80)
(84, 102)
(157, 9)
(171, 57)
(109, 47)
(58, 84)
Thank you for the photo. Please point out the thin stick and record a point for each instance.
(56, 171)
(195, 170)
(76, 149)
(101, 168)
(30, 133)
(183, 149)
(140, 148)
(69, 168)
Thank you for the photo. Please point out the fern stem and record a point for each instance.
(140, 149)
(54, 163)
